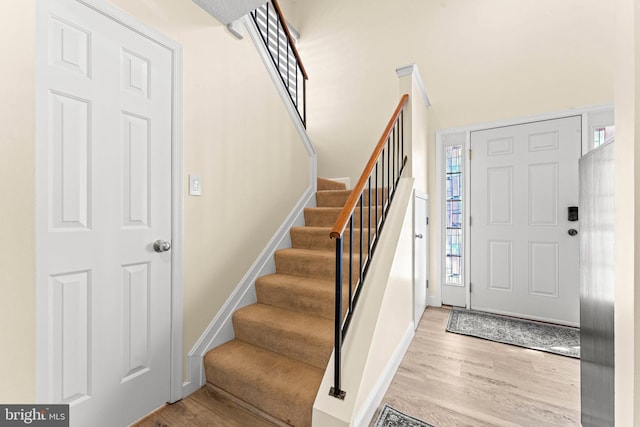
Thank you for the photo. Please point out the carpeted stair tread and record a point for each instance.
(338, 198)
(282, 387)
(284, 341)
(318, 238)
(303, 294)
(327, 216)
(327, 184)
(310, 263)
(299, 336)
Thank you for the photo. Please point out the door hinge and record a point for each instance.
(470, 151)
(470, 221)
(427, 283)
(469, 287)
(427, 220)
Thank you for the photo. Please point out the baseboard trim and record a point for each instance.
(220, 330)
(368, 410)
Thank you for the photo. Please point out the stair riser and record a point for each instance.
(327, 184)
(296, 298)
(326, 217)
(314, 267)
(310, 348)
(308, 238)
(256, 377)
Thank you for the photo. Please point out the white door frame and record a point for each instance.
(437, 234)
(177, 230)
(417, 224)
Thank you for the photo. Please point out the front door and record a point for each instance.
(103, 160)
(524, 261)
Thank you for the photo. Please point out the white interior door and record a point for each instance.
(103, 197)
(421, 256)
(523, 260)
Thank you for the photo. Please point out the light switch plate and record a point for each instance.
(195, 185)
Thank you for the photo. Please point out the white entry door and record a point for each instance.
(523, 260)
(103, 159)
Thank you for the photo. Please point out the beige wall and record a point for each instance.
(480, 61)
(237, 136)
(17, 202)
(627, 236)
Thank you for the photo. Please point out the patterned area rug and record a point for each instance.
(556, 339)
(390, 417)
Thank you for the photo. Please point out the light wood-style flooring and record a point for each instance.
(447, 379)
(444, 379)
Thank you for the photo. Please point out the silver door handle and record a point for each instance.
(418, 236)
(161, 246)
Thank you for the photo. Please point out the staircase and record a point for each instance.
(283, 342)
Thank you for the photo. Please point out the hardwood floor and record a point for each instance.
(445, 379)
(204, 408)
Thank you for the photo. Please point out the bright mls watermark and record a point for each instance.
(34, 415)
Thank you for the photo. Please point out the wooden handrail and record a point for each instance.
(352, 201)
(290, 37)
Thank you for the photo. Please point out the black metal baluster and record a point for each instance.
(375, 235)
(335, 390)
(297, 82)
(382, 219)
(350, 265)
(388, 169)
(266, 17)
(386, 206)
(402, 134)
(369, 224)
(396, 148)
(393, 147)
(288, 64)
(361, 236)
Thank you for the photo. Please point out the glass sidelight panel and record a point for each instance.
(453, 214)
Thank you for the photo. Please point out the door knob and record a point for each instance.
(572, 232)
(418, 236)
(161, 246)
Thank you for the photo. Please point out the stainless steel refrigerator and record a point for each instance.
(596, 213)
